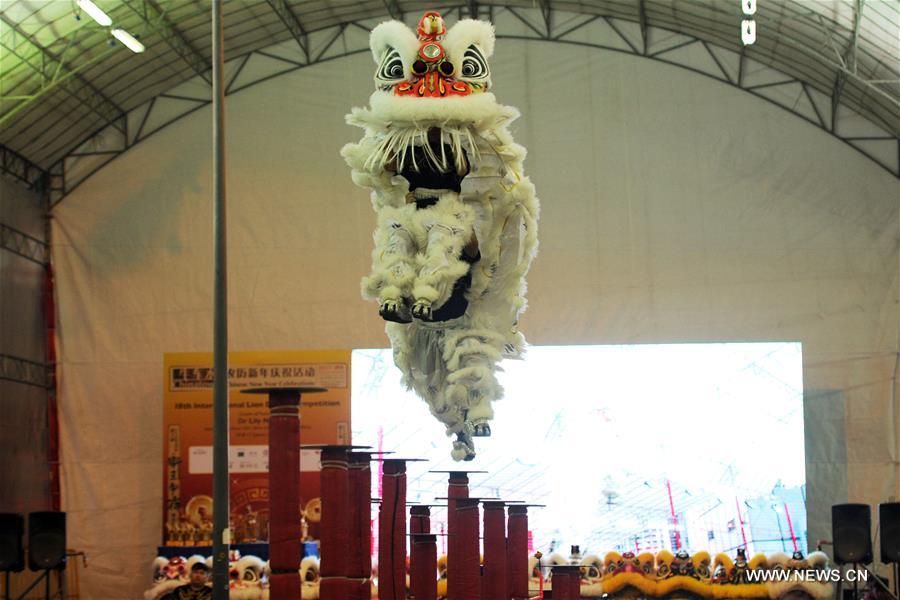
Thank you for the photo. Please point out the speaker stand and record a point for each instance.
(880, 583)
(839, 593)
(7, 595)
(856, 582)
(45, 577)
(897, 579)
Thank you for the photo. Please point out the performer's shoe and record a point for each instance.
(482, 430)
(422, 310)
(467, 453)
(395, 311)
(463, 447)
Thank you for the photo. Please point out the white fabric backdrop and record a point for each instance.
(675, 208)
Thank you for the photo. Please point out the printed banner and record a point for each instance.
(187, 426)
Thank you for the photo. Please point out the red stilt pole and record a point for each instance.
(400, 529)
(284, 488)
(419, 519)
(421, 578)
(335, 536)
(566, 582)
(495, 576)
(517, 552)
(359, 567)
(457, 487)
(392, 532)
(284, 498)
(464, 568)
(423, 566)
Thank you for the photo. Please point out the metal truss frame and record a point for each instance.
(14, 164)
(24, 371)
(292, 24)
(26, 246)
(55, 74)
(155, 19)
(540, 24)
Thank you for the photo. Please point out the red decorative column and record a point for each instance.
(517, 551)
(334, 544)
(423, 566)
(284, 488)
(392, 532)
(495, 576)
(419, 519)
(359, 567)
(464, 568)
(457, 488)
(566, 582)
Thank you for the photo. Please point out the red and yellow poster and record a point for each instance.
(187, 447)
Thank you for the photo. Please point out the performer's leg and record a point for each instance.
(472, 365)
(418, 353)
(449, 414)
(449, 411)
(480, 414)
(448, 227)
(393, 264)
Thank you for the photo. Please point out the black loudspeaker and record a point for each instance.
(851, 529)
(889, 528)
(12, 555)
(46, 540)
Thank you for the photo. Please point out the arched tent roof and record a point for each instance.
(835, 63)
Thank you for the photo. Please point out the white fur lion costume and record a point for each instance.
(456, 217)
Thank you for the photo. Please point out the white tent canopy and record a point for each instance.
(71, 90)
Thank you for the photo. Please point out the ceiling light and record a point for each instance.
(127, 39)
(94, 11)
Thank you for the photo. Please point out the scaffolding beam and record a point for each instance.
(24, 371)
(155, 18)
(19, 167)
(69, 81)
(292, 24)
(24, 245)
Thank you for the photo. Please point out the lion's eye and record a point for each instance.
(474, 65)
(391, 66)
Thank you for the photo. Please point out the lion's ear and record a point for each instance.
(393, 34)
(467, 32)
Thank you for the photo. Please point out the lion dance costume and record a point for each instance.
(456, 218)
